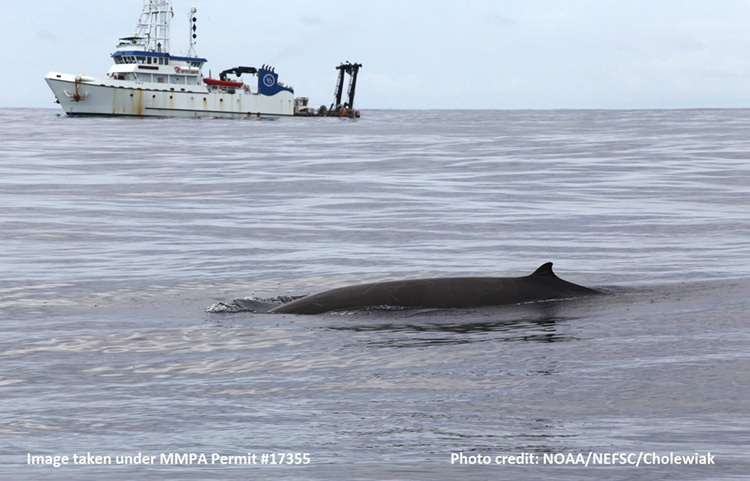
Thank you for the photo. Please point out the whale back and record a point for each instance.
(441, 293)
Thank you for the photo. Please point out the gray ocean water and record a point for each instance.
(121, 237)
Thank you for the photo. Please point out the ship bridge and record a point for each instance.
(141, 57)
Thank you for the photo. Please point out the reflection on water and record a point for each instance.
(428, 333)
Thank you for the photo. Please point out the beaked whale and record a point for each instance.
(439, 293)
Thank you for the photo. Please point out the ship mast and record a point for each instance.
(192, 19)
(153, 25)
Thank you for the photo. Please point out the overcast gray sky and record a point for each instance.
(492, 54)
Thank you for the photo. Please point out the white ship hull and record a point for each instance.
(81, 95)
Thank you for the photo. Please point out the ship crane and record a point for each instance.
(238, 71)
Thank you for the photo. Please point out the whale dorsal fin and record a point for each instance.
(544, 270)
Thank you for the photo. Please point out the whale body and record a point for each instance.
(439, 293)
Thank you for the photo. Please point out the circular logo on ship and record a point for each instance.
(268, 80)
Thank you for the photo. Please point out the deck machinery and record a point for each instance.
(337, 108)
(347, 109)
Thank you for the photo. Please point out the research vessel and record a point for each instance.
(146, 80)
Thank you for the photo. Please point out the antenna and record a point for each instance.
(193, 36)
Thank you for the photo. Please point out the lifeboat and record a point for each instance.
(222, 83)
